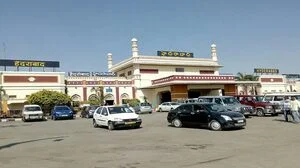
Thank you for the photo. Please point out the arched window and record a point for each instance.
(93, 97)
(76, 97)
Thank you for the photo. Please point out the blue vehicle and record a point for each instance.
(61, 112)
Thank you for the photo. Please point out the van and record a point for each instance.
(230, 102)
(277, 99)
(32, 112)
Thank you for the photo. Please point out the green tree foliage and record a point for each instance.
(132, 102)
(47, 99)
(246, 77)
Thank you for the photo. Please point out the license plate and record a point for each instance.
(64, 115)
(239, 124)
(127, 123)
(240, 121)
(33, 117)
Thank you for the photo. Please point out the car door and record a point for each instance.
(201, 115)
(185, 113)
(96, 115)
(104, 115)
(167, 107)
(163, 106)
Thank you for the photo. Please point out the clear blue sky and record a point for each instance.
(80, 33)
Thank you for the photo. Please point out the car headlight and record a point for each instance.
(118, 119)
(227, 118)
(70, 112)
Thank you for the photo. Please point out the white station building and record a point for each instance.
(167, 76)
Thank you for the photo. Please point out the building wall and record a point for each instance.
(20, 84)
(165, 71)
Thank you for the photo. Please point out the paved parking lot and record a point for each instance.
(266, 142)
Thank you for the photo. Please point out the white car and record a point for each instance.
(32, 112)
(167, 106)
(115, 117)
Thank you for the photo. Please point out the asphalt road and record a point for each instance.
(265, 142)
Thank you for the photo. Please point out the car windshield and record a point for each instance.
(216, 108)
(230, 100)
(94, 107)
(36, 108)
(145, 104)
(117, 110)
(174, 103)
(62, 108)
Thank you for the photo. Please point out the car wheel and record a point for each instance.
(111, 126)
(150, 112)
(177, 123)
(95, 124)
(215, 125)
(160, 110)
(53, 118)
(137, 126)
(23, 118)
(260, 112)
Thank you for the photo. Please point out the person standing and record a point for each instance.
(295, 105)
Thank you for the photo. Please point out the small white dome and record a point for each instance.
(134, 40)
(213, 45)
(109, 54)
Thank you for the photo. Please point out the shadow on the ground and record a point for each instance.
(34, 140)
(204, 128)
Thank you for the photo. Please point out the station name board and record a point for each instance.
(92, 74)
(29, 63)
(261, 70)
(292, 76)
(175, 54)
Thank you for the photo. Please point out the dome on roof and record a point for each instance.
(213, 45)
(133, 39)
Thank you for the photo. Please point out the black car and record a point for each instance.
(213, 116)
(88, 111)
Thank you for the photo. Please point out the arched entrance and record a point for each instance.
(165, 96)
(124, 96)
(109, 99)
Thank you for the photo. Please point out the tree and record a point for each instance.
(247, 77)
(47, 99)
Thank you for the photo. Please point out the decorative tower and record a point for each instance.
(109, 61)
(214, 52)
(135, 50)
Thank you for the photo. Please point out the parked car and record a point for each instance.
(115, 117)
(167, 106)
(228, 102)
(32, 112)
(209, 115)
(62, 112)
(88, 111)
(260, 108)
(143, 108)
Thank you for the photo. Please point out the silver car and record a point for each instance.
(143, 108)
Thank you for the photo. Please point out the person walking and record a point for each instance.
(295, 105)
(286, 108)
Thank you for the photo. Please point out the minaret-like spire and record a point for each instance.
(109, 61)
(135, 50)
(214, 56)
